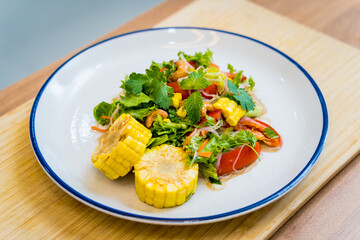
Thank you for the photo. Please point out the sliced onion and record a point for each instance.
(226, 88)
(218, 157)
(181, 56)
(208, 95)
(193, 145)
(182, 78)
(213, 128)
(237, 158)
(113, 114)
(211, 100)
(201, 67)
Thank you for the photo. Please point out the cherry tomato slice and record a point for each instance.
(238, 158)
(216, 114)
(192, 63)
(177, 89)
(212, 89)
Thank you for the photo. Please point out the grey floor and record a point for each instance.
(36, 33)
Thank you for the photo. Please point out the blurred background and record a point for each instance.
(33, 34)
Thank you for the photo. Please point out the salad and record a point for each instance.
(181, 118)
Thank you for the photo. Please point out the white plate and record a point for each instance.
(63, 141)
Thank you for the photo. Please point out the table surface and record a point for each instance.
(334, 212)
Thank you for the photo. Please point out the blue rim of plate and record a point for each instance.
(253, 206)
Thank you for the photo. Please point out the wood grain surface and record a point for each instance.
(337, 18)
(333, 213)
(35, 207)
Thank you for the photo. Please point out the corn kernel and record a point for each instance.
(181, 112)
(231, 111)
(177, 99)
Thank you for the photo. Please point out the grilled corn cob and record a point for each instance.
(231, 111)
(121, 148)
(162, 178)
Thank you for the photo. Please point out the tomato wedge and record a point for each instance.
(212, 89)
(177, 89)
(258, 127)
(238, 158)
(192, 63)
(216, 114)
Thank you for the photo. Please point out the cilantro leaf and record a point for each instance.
(154, 73)
(157, 89)
(241, 96)
(270, 133)
(202, 59)
(195, 80)
(161, 93)
(152, 84)
(134, 83)
(231, 68)
(133, 100)
(193, 106)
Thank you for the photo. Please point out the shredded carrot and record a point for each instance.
(188, 151)
(106, 117)
(188, 139)
(205, 154)
(203, 145)
(162, 69)
(216, 83)
(98, 129)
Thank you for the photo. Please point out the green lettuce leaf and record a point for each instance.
(103, 109)
(202, 59)
(133, 100)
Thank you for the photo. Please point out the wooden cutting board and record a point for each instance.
(33, 207)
